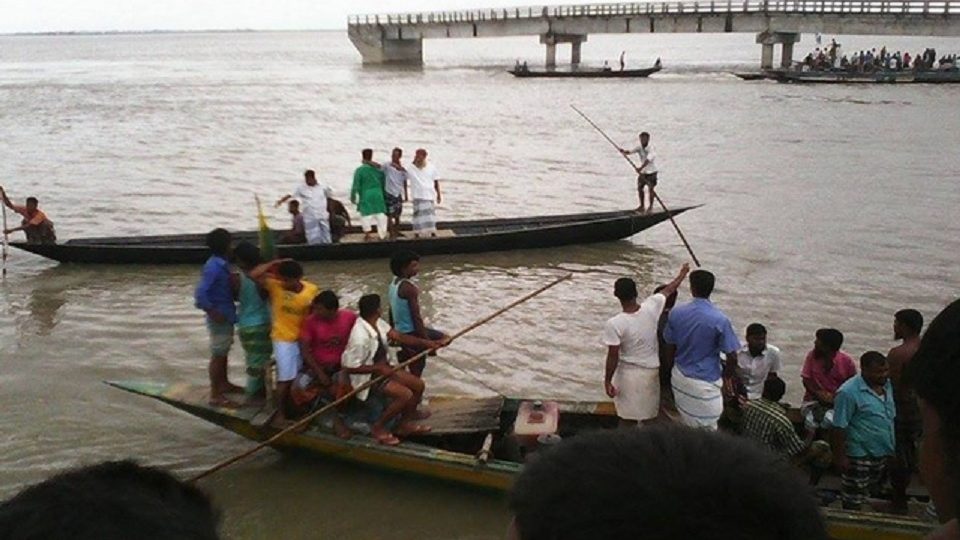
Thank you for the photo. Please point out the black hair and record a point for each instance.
(218, 240)
(625, 289)
(294, 202)
(774, 388)
(247, 254)
(871, 359)
(644, 134)
(756, 329)
(935, 370)
(397, 149)
(111, 500)
(369, 304)
(327, 299)
(910, 319)
(290, 270)
(701, 283)
(662, 482)
(309, 173)
(401, 259)
(830, 337)
(32, 200)
(367, 153)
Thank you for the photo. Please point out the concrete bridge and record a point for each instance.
(398, 37)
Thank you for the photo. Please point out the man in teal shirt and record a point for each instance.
(863, 433)
(367, 194)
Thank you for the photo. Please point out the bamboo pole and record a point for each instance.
(373, 381)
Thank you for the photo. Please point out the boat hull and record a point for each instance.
(464, 237)
(584, 73)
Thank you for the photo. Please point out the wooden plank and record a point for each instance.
(464, 415)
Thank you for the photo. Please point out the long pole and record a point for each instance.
(6, 239)
(655, 196)
(376, 380)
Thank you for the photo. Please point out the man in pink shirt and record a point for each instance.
(323, 339)
(825, 369)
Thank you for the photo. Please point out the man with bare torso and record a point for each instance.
(907, 324)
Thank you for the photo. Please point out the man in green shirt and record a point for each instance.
(367, 194)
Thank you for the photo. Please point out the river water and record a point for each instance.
(823, 206)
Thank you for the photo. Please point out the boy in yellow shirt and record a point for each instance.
(290, 299)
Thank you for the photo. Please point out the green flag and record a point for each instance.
(268, 248)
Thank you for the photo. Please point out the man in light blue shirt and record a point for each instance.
(863, 436)
(698, 334)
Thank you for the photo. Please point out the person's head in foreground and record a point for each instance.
(935, 370)
(111, 501)
(661, 482)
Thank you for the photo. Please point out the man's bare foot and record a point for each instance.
(221, 401)
(409, 428)
(384, 437)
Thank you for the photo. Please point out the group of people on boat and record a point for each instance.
(378, 191)
(321, 350)
(830, 58)
(35, 224)
(688, 359)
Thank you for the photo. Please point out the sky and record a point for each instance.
(21, 16)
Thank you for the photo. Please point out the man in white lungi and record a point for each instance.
(313, 206)
(698, 333)
(425, 189)
(632, 375)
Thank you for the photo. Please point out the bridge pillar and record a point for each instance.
(551, 40)
(375, 48)
(768, 39)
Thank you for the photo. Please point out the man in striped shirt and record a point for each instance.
(765, 421)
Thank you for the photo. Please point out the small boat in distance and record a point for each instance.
(584, 73)
(474, 236)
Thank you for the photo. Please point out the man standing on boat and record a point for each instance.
(395, 189)
(367, 193)
(647, 171)
(404, 296)
(863, 429)
(907, 324)
(698, 334)
(757, 361)
(426, 191)
(313, 205)
(632, 374)
(35, 225)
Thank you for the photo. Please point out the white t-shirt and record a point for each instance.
(395, 179)
(753, 370)
(421, 182)
(648, 155)
(313, 200)
(636, 333)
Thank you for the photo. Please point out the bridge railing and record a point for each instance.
(892, 7)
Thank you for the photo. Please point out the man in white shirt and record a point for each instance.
(313, 205)
(647, 171)
(757, 361)
(632, 374)
(395, 190)
(425, 189)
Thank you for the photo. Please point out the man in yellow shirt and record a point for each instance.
(290, 299)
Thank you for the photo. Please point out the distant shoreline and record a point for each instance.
(149, 32)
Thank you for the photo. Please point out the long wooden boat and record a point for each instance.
(878, 77)
(452, 237)
(584, 73)
(453, 451)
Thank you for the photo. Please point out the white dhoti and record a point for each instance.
(638, 391)
(316, 230)
(424, 217)
(380, 220)
(700, 403)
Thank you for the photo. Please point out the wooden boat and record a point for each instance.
(453, 451)
(584, 73)
(878, 77)
(452, 237)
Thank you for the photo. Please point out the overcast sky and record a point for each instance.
(105, 15)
